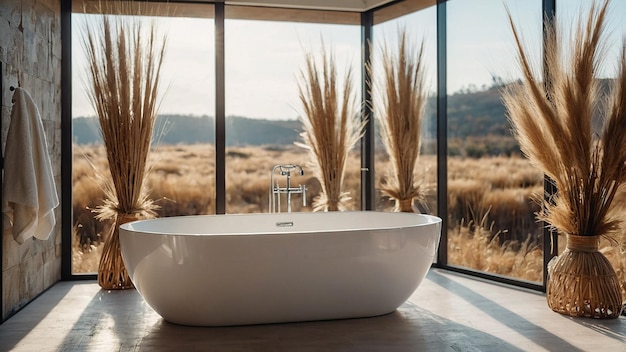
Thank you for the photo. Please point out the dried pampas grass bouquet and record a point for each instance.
(332, 126)
(400, 106)
(553, 120)
(124, 58)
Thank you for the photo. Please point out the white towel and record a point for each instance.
(29, 192)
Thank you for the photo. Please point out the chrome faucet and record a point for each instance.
(276, 190)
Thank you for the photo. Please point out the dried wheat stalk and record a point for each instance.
(331, 125)
(400, 110)
(123, 85)
(124, 61)
(553, 124)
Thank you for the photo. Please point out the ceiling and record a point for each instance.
(318, 11)
(335, 5)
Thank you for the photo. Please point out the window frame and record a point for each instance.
(366, 21)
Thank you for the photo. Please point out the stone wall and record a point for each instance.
(30, 50)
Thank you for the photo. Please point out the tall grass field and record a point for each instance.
(491, 206)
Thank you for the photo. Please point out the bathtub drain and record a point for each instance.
(284, 224)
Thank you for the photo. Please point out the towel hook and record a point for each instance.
(11, 88)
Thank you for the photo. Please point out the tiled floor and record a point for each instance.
(448, 312)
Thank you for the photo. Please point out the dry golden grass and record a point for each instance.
(479, 247)
(182, 183)
(502, 187)
(401, 95)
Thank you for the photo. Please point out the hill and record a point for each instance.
(477, 125)
(185, 129)
(476, 114)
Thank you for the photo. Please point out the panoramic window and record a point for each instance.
(263, 60)
(491, 213)
(181, 180)
(420, 28)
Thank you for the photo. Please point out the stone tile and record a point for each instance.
(44, 17)
(5, 39)
(51, 268)
(11, 283)
(12, 11)
(15, 42)
(30, 13)
(28, 55)
(31, 278)
(15, 253)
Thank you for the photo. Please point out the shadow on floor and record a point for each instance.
(539, 335)
(613, 328)
(410, 328)
(30, 318)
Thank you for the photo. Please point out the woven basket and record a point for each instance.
(582, 282)
(112, 274)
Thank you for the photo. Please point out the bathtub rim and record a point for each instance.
(429, 221)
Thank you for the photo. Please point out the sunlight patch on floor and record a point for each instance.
(68, 311)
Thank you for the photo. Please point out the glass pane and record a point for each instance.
(420, 26)
(263, 63)
(491, 221)
(182, 179)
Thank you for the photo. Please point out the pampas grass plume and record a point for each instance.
(553, 121)
(124, 65)
(400, 111)
(331, 124)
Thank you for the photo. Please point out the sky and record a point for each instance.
(263, 59)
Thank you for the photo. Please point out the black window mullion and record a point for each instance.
(442, 133)
(220, 118)
(550, 237)
(368, 194)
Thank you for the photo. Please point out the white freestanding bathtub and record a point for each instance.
(218, 270)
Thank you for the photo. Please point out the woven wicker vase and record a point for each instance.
(582, 282)
(112, 274)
